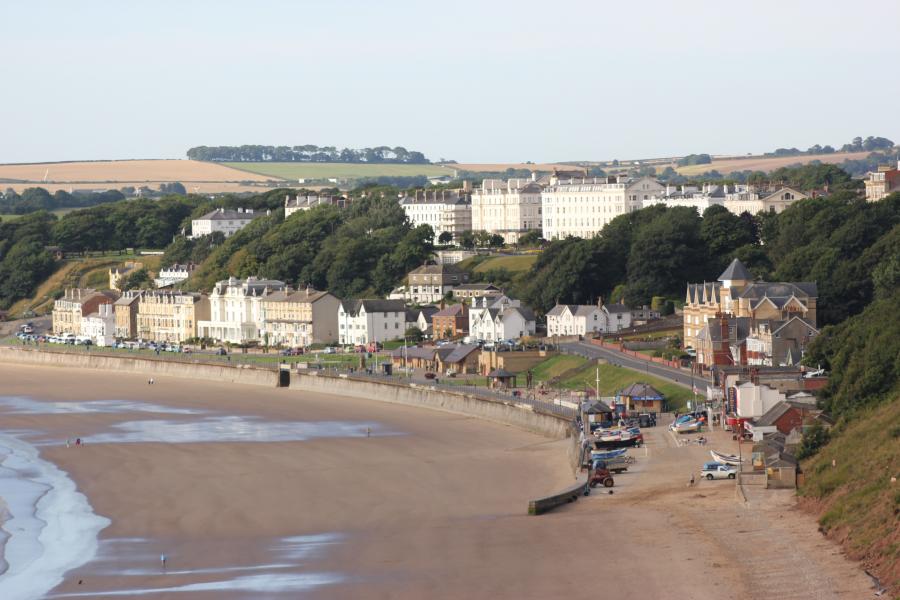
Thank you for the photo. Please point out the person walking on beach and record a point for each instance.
(162, 561)
(691, 484)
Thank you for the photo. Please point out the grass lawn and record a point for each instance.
(556, 366)
(613, 379)
(294, 171)
(655, 335)
(514, 263)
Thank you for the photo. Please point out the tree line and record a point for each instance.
(839, 241)
(857, 144)
(34, 199)
(307, 153)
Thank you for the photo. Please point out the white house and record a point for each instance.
(690, 196)
(618, 316)
(508, 208)
(100, 326)
(581, 206)
(753, 401)
(752, 200)
(364, 321)
(304, 203)
(499, 318)
(236, 315)
(225, 220)
(577, 319)
(173, 274)
(445, 211)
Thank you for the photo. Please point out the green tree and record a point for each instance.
(445, 238)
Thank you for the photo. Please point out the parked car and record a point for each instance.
(221, 352)
(330, 350)
(430, 376)
(714, 470)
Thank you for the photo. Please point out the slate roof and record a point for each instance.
(435, 270)
(581, 310)
(736, 270)
(352, 307)
(457, 353)
(617, 308)
(228, 215)
(642, 391)
(476, 286)
(780, 291)
(773, 414)
(454, 310)
(741, 324)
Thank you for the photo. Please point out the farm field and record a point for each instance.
(113, 174)
(765, 163)
(298, 170)
(495, 167)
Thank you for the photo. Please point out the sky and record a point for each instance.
(474, 81)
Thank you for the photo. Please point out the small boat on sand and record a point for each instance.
(686, 427)
(725, 459)
(606, 455)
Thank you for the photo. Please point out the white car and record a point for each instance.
(714, 470)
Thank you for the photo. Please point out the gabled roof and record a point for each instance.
(436, 270)
(228, 215)
(457, 353)
(617, 308)
(773, 414)
(642, 391)
(454, 310)
(736, 271)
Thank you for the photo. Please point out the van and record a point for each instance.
(67, 338)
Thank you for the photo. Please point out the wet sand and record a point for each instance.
(432, 506)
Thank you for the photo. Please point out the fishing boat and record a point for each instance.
(725, 459)
(607, 454)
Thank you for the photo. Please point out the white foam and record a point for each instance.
(52, 528)
(18, 405)
(273, 583)
(231, 428)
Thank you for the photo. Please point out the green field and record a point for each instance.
(556, 366)
(59, 212)
(613, 379)
(294, 171)
(516, 263)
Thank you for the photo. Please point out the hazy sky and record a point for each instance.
(469, 80)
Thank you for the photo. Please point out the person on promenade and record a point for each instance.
(162, 561)
(691, 484)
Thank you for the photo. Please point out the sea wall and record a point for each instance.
(152, 367)
(501, 411)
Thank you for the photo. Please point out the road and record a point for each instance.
(677, 376)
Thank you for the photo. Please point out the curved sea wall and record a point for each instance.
(510, 413)
(148, 366)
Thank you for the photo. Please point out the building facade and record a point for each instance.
(303, 203)
(446, 211)
(429, 283)
(577, 319)
(235, 309)
(165, 316)
(508, 208)
(779, 343)
(222, 220)
(126, 311)
(365, 321)
(100, 326)
(748, 199)
(173, 274)
(503, 323)
(580, 207)
(450, 322)
(299, 318)
(882, 182)
(75, 304)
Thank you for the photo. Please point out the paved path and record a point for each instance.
(677, 376)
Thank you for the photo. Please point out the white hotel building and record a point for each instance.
(509, 208)
(448, 211)
(580, 207)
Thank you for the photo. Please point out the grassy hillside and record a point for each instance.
(296, 170)
(578, 373)
(78, 272)
(513, 264)
(858, 503)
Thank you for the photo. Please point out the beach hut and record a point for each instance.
(642, 398)
(501, 379)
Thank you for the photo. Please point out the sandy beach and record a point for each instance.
(430, 505)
